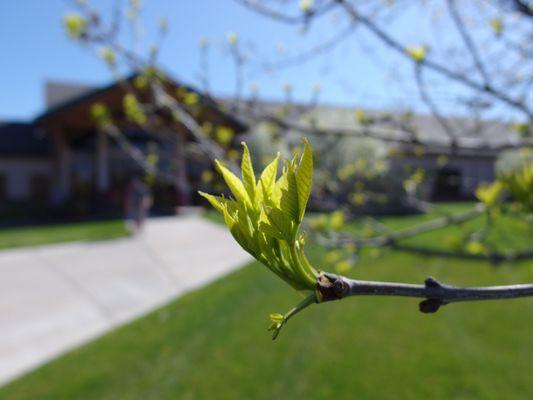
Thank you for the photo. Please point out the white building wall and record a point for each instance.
(18, 173)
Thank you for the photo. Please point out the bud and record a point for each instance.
(163, 24)
(75, 25)
(417, 53)
(497, 26)
(232, 38)
(109, 57)
(203, 43)
(306, 6)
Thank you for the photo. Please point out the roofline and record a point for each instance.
(95, 92)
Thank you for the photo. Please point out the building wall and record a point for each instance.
(20, 176)
(472, 171)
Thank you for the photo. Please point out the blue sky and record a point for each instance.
(35, 48)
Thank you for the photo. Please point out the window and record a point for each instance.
(447, 184)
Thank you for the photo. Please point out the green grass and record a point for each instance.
(47, 234)
(213, 343)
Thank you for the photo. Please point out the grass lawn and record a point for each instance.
(46, 234)
(213, 343)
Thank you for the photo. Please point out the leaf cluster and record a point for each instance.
(264, 215)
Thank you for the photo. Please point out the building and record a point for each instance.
(25, 163)
(456, 160)
(62, 161)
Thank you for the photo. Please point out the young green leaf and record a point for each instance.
(264, 218)
(218, 202)
(279, 221)
(304, 175)
(248, 176)
(268, 178)
(289, 195)
(234, 183)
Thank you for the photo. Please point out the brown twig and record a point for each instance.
(436, 294)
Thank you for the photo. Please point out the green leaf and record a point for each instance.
(248, 176)
(304, 176)
(289, 196)
(268, 178)
(218, 202)
(275, 196)
(270, 231)
(234, 184)
(280, 223)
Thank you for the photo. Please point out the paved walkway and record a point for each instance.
(54, 298)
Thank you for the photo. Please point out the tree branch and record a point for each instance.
(423, 227)
(432, 65)
(436, 294)
(467, 39)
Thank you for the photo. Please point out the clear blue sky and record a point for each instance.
(35, 48)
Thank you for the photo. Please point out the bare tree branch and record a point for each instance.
(467, 39)
(335, 287)
(393, 237)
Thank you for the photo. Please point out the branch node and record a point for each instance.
(331, 287)
(432, 283)
(430, 306)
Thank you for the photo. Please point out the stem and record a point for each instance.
(299, 307)
(334, 287)
(302, 269)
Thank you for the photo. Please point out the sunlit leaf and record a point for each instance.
(234, 183)
(248, 176)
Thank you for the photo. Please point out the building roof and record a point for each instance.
(65, 100)
(406, 128)
(61, 92)
(23, 139)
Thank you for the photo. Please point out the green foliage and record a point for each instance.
(224, 135)
(525, 130)
(100, 113)
(133, 109)
(328, 222)
(490, 193)
(264, 216)
(75, 25)
(417, 53)
(519, 184)
(361, 118)
(306, 6)
(496, 25)
(108, 55)
(232, 38)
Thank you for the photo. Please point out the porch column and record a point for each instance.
(63, 167)
(102, 161)
(182, 182)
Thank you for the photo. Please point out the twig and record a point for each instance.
(393, 237)
(467, 39)
(493, 257)
(436, 294)
(432, 65)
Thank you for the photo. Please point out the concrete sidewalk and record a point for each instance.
(54, 298)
